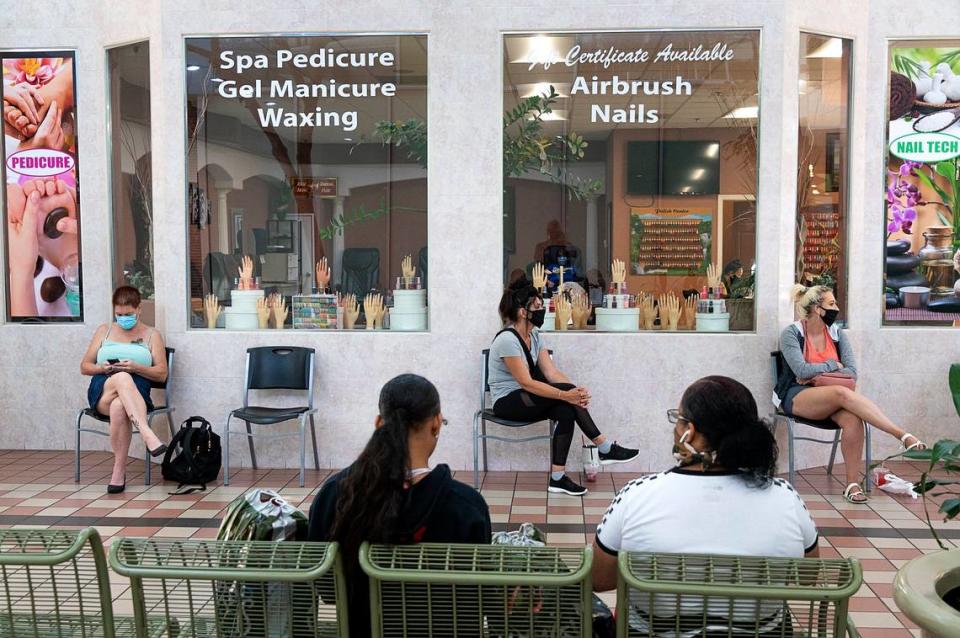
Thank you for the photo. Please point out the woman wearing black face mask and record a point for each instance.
(527, 386)
(814, 346)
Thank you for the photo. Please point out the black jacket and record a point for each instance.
(438, 510)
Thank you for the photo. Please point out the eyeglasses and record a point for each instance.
(674, 417)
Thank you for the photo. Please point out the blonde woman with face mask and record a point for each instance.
(815, 346)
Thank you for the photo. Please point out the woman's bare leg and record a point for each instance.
(121, 385)
(851, 442)
(824, 402)
(120, 435)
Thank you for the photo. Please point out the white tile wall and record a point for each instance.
(634, 377)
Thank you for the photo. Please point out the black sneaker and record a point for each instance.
(566, 486)
(618, 454)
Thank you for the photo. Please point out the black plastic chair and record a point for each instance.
(777, 364)
(166, 408)
(484, 414)
(360, 271)
(275, 368)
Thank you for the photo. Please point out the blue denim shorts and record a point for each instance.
(792, 392)
(95, 391)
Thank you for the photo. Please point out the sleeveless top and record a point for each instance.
(137, 352)
(829, 352)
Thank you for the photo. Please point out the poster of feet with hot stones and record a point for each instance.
(40, 170)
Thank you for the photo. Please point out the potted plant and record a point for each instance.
(927, 589)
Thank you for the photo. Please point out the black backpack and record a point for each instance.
(193, 456)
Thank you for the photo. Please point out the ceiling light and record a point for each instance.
(271, 103)
(816, 192)
(713, 150)
(832, 48)
(743, 113)
(697, 173)
(218, 80)
(348, 139)
(562, 89)
(541, 49)
(193, 67)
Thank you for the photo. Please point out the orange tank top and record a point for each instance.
(812, 355)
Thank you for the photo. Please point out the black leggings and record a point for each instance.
(521, 405)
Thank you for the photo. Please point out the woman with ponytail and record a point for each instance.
(391, 495)
(722, 498)
(818, 382)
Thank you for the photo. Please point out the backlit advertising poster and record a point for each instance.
(41, 213)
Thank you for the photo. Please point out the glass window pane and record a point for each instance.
(922, 185)
(131, 171)
(305, 151)
(823, 145)
(638, 148)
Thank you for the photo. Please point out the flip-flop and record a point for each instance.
(851, 496)
(919, 445)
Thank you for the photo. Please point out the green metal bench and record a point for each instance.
(686, 596)
(431, 590)
(54, 583)
(221, 589)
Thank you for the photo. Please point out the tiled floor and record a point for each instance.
(37, 490)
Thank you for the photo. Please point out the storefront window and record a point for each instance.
(922, 185)
(307, 200)
(130, 178)
(630, 172)
(822, 150)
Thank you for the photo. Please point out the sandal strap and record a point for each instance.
(849, 489)
(917, 442)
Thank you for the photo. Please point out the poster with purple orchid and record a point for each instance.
(42, 181)
(922, 186)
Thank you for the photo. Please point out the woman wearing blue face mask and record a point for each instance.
(123, 358)
(526, 386)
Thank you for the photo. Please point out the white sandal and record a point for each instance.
(919, 445)
(850, 495)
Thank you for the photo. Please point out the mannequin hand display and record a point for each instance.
(648, 313)
(690, 312)
(581, 311)
(539, 276)
(211, 310)
(669, 311)
(351, 310)
(246, 273)
(618, 271)
(373, 310)
(323, 275)
(406, 266)
(279, 306)
(564, 311)
(263, 313)
(713, 275)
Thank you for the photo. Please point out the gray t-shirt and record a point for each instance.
(507, 344)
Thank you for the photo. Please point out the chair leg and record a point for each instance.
(147, 463)
(253, 455)
(313, 437)
(170, 421)
(476, 453)
(791, 461)
(76, 460)
(226, 453)
(483, 429)
(303, 448)
(833, 453)
(867, 481)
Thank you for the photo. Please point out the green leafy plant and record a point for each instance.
(361, 214)
(140, 277)
(943, 462)
(743, 287)
(411, 135)
(526, 148)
